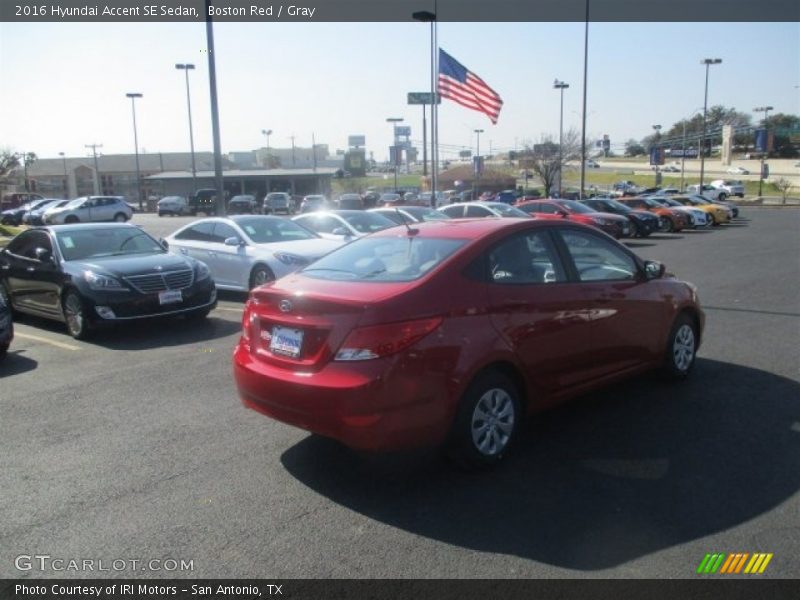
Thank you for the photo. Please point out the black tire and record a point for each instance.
(71, 219)
(669, 227)
(3, 350)
(488, 418)
(120, 218)
(79, 324)
(7, 297)
(161, 214)
(260, 275)
(722, 197)
(681, 350)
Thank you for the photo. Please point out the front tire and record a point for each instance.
(75, 316)
(681, 348)
(71, 219)
(261, 274)
(486, 422)
(120, 218)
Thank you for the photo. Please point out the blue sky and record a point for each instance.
(63, 85)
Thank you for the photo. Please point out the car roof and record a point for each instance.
(471, 228)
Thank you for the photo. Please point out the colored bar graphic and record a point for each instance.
(734, 563)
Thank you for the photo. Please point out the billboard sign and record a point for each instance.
(764, 140)
(422, 98)
(403, 131)
(656, 156)
(356, 141)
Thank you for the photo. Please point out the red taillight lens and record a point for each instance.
(366, 343)
(246, 320)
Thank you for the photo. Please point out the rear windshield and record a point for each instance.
(383, 259)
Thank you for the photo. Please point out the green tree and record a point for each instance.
(784, 127)
(634, 148)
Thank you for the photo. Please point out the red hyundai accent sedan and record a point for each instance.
(451, 332)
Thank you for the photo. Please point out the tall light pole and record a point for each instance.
(394, 121)
(186, 68)
(267, 133)
(657, 129)
(707, 62)
(585, 84)
(477, 164)
(219, 182)
(133, 96)
(294, 164)
(765, 110)
(66, 183)
(425, 16)
(94, 148)
(561, 86)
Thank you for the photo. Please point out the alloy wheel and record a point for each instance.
(683, 348)
(493, 422)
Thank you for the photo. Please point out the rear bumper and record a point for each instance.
(369, 405)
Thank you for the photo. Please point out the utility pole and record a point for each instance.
(765, 110)
(294, 162)
(94, 148)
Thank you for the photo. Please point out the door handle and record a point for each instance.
(184, 251)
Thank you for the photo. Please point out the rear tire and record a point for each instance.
(681, 350)
(486, 423)
(71, 219)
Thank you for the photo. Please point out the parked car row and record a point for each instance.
(408, 327)
(55, 211)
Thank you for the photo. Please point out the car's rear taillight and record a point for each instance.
(246, 321)
(366, 343)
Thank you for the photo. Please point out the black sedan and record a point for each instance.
(6, 327)
(644, 222)
(89, 274)
(13, 216)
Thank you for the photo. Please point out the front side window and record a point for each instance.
(525, 259)
(598, 259)
(197, 233)
(25, 244)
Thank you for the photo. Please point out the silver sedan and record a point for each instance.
(344, 224)
(245, 251)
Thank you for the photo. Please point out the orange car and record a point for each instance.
(671, 219)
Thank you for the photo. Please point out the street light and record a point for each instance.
(186, 68)
(267, 133)
(707, 62)
(133, 96)
(765, 110)
(657, 129)
(561, 86)
(66, 184)
(477, 164)
(394, 121)
(425, 16)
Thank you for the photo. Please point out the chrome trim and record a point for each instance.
(160, 280)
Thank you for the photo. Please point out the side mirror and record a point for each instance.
(234, 241)
(43, 255)
(654, 269)
(563, 214)
(164, 243)
(341, 231)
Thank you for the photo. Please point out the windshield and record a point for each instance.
(426, 214)
(263, 230)
(366, 222)
(576, 207)
(383, 259)
(75, 203)
(96, 243)
(508, 211)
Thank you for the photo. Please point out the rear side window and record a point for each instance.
(526, 259)
(598, 259)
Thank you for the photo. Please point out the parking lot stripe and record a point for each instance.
(28, 336)
(229, 309)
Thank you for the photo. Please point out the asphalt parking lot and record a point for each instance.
(135, 446)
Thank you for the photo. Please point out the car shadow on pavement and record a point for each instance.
(15, 363)
(163, 332)
(620, 474)
(632, 244)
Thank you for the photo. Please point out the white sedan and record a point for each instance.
(471, 210)
(738, 171)
(245, 251)
(344, 225)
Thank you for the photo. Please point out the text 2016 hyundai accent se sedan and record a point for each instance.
(450, 333)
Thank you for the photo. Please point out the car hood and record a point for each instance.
(133, 264)
(609, 216)
(310, 249)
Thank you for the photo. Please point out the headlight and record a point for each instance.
(104, 283)
(290, 259)
(202, 271)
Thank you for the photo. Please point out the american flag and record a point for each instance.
(467, 89)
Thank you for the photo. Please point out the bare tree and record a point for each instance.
(783, 185)
(8, 162)
(545, 160)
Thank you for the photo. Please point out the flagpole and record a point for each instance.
(583, 128)
(435, 107)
